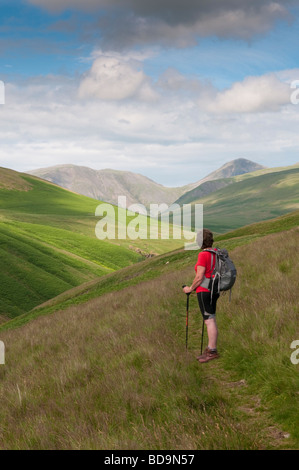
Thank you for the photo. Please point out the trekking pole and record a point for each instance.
(203, 326)
(187, 317)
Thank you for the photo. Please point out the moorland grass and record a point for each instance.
(113, 372)
(153, 267)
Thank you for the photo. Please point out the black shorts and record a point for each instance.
(207, 308)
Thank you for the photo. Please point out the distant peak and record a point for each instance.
(243, 161)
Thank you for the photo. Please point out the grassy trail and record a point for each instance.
(113, 372)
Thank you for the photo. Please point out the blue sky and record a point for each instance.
(33, 45)
(169, 92)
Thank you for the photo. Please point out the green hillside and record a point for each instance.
(48, 243)
(210, 186)
(154, 267)
(251, 199)
(265, 171)
(109, 370)
(33, 271)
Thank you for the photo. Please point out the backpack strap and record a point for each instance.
(212, 261)
(213, 279)
(215, 271)
(207, 282)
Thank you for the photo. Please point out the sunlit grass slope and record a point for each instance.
(252, 199)
(154, 267)
(112, 372)
(41, 253)
(32, 272)
(48, 243)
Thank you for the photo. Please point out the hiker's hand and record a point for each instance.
(187, 290)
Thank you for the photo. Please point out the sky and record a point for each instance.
(170, 89)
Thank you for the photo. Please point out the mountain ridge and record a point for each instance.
(107, 184)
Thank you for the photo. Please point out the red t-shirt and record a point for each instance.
(204, 259)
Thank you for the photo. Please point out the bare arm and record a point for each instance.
(197, 280)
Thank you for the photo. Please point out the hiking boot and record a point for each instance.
(208, 355)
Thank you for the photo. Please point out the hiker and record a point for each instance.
(207, 303)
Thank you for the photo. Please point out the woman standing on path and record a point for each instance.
(207, 304)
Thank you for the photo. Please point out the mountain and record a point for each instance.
(219, 179)
(107, 185)
(236, 167)
(209, 186)
(249, 199)
(47, 234)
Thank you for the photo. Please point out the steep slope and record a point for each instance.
(154, 267)
(48, 242)
(44, 249)
(248, 198)
(51, 231)
(10, 179)
(251, 200)
(211, 183)
(34, 271)
(203, 190)
(115, 374)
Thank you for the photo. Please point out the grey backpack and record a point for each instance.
(224, 273)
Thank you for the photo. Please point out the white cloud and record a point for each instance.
(254, 94)
(112, 78)
(173, 139)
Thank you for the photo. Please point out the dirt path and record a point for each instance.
(248, 410)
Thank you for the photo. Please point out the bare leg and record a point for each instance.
(212, 333)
